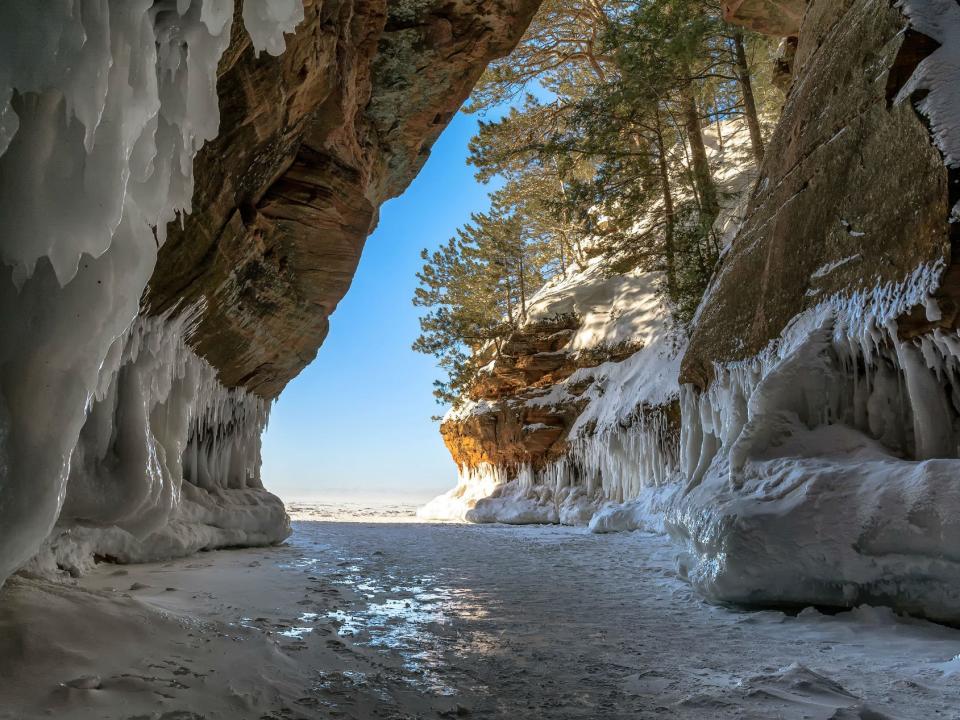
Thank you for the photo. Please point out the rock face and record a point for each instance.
(581, 405)
(137, 435)
(514, 432)
(819, 418)
(819, 412)
(854, 194)
(311, 143)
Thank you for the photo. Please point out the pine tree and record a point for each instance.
(602, 151)
(476, 289)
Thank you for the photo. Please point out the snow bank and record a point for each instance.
(103, 106)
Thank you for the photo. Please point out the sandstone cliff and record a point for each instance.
(817, 419)
(311, 144)
(186, 188)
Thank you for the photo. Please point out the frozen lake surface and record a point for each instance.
(377, 620)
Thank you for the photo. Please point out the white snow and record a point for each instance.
(620, 442)
(103, 106)
(825, 270)
(474, 484)
(937, 74)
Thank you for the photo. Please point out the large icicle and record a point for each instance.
(103, 106)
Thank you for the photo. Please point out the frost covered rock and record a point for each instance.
(852, 193)
(580, 409)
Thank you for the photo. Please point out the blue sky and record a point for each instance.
(356, 423)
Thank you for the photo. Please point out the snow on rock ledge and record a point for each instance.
(594, 419)
(580, 411)
(823, 471)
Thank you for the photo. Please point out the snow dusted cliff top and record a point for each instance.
(617, 312)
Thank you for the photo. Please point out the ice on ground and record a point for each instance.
(373, 619)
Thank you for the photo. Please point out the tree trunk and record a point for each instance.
(523, 288)
(669, 250)
(701, 166)
(749, 104)
(575, 246)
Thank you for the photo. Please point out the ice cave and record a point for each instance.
(698, 344)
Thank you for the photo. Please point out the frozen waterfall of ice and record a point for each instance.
(103, 106)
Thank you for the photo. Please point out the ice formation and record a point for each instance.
(268, 20)
(103, 106)
(624, 440)
(620, 443)
(822, 471)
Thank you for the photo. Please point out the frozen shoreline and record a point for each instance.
(387, 620)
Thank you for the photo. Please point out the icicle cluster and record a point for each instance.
(160, 418)
(839, 362)
(103, 106)
(612, 464)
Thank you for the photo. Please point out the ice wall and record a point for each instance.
(824, 470)
(601, 469)
(103, 106)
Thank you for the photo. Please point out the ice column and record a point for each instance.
(103, 106)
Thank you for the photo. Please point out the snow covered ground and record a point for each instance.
(368, 620)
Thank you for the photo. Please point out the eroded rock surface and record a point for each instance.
(772, 17)
(311, 143)
(852, 192)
